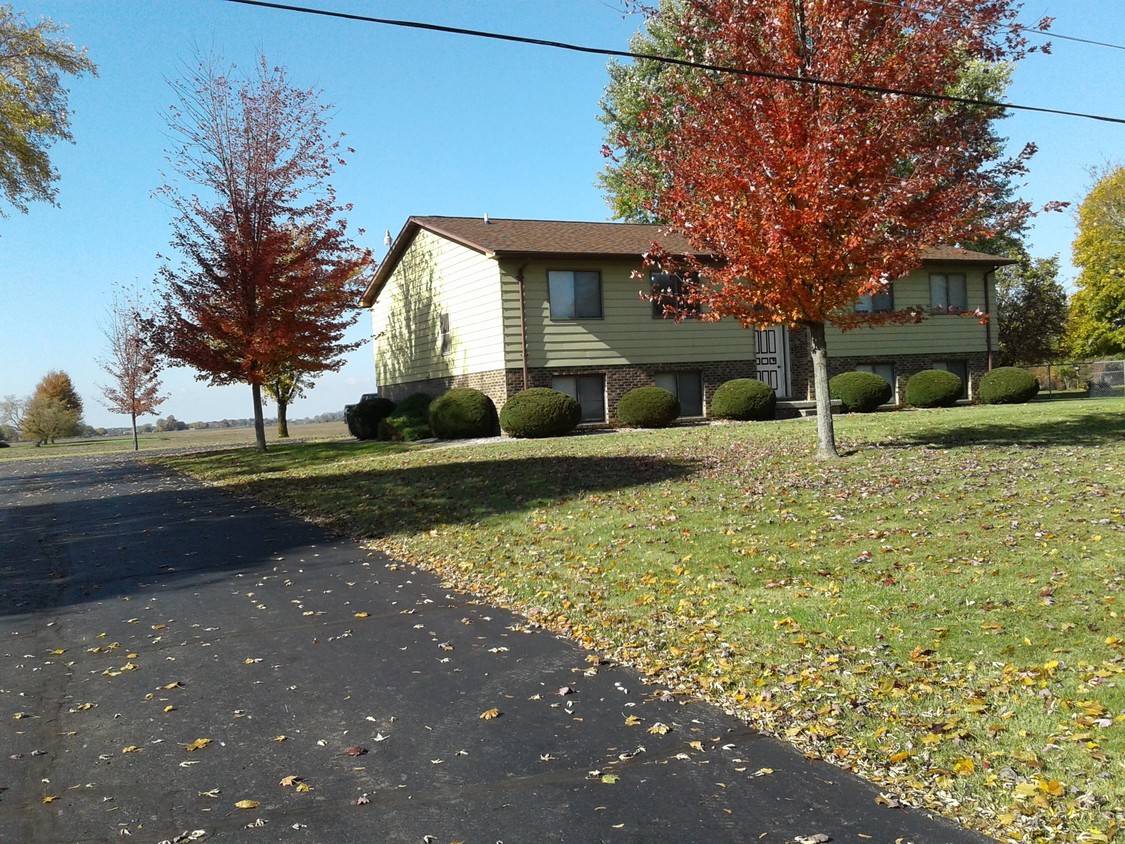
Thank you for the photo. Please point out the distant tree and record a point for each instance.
(812, 194)
(1031, 310)
(268, 277)
(1096, 327)
(11, 412)
(53, 411)
(132, 362)
(33, 105)
(284, 388)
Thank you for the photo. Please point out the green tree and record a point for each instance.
(1096, 327)
(33, 105)
(45, 419)
(1031, 310)
(285, 388)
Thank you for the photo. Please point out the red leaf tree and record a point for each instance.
(132, 362)
(814, 194)
(268, 277)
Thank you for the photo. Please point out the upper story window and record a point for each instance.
(575, 294)
(948, 293)
(668, 292)
(876, 303)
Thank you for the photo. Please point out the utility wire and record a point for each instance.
(1044, 32)
(602, 51)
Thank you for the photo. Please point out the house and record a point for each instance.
(501, 305)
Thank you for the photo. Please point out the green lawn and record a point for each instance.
(940, 611)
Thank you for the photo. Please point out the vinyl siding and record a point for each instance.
(937, 334)
(626, 332)
(438, 276)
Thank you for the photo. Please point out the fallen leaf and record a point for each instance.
(362, 614)
(761, 772)
(489, 714)
(292, 779)
(49, 798)
(198, 744)
(610, 778)
(279, 738)
(247, 804)
(303, 786)
(362, 800)
(355, 751)
(130, 749)
(632, 721)
(659, 729)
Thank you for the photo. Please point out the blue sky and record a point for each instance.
(441, 124)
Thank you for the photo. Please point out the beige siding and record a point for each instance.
(626, 333)
(937, 334)
(436, 276)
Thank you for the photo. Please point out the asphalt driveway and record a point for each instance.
(178, 664)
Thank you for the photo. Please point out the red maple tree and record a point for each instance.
(132, 362)
(810, 182)
(269, 278)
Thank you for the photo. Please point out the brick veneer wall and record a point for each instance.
(907, 365)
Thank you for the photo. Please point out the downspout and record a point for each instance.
(523, 326)
(988, 322)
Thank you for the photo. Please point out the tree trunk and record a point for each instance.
(825, 431)
(259, 420)
(282, 422)
(136, 444)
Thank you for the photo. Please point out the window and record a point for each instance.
(960, 368)
(687, 387)
(886, 371)
(588, 389)
(876, 303)
(668, 291)
(947, 293)
(446, 337)
(575, 294)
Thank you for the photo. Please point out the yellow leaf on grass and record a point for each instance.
(247, 804)
(489, 714)
(198, 744)
(964, 767)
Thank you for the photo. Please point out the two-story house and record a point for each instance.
(502, 305)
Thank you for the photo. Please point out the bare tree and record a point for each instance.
(132, 362)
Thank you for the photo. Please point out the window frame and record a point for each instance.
(552, 275)
(578, 393)
(945, 280)
(670, 295)
(870, 303)
(675, 376)
(446, 334)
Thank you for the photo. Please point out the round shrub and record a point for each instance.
(461, 414)
(860, 392)
(745, 399)
(933, 388)
(648, 407)
(540, 412)
(363, 418)
(410, 421)
(1008, 385)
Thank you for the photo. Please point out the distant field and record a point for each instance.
(171, 441)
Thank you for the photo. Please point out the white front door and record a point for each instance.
(771, 359)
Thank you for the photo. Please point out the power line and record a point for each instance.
(1020, 27)
(603, 51)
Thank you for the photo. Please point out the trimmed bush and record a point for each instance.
(933, 388)
(410, 421)
(463, 413)
(648, 407)
(363, 418)
(745, 399)
(540, 412)
(1008, 385)
(860, 392)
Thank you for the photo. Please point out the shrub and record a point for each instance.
(410, 421)
(463, 413)
(933, 388)
(540, 412)
(363, 418)
(648, 407)
(745, 399)
(860, 392)
(1008, 385)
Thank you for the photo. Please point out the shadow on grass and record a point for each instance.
(1082, 429)
(373, 501)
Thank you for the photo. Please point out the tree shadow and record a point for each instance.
(79, 530)
(1095, 427)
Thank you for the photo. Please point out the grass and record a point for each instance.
(939, 611)
(207, 438)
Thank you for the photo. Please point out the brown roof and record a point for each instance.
(496, 238)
